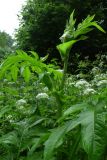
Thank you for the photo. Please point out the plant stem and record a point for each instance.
(59, 96)
(65, 71)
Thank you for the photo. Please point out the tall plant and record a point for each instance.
(72, 35)
(92, 132)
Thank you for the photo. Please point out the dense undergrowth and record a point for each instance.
(47, 114)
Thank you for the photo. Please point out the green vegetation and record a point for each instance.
(48, 114)
(43, 22)
(6, 44)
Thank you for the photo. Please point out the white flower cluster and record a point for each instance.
(21, 107)
(88, 91)
(42, 96)
(70, 81)
(9, 117)
(5, 80)
(102, 82)
(85, 87)
(100, 76)
(82, 83)
(10, 83)
(21, 102)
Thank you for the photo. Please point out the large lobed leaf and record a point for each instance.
(93, 131)
(52, 143)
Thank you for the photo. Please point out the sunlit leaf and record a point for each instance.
(64, 48)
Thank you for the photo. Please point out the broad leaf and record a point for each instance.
(93, 132)
(64, 48)
(73, 109)
(52, 142)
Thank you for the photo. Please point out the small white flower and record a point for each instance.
(103, 76)
(11, 121)
(72, 84)
(42, 96)
(10, 83)
(9, 117)
(89, 90)
(5, 80)
(82, 83)
(105, 107)
(65, 36)
(102, 82)
(21, 102)
(21, 107)
(46, 89)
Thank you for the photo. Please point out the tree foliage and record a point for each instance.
(6, 43)
(43, 21)
(41, 24)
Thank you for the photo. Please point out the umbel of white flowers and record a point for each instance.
(82, 83)
(42, 96)
(89, 91)
(21, 102)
